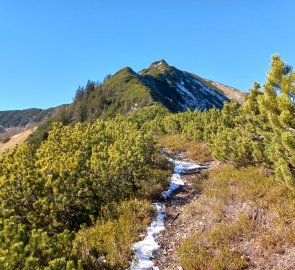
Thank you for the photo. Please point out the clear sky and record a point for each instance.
(50, 47)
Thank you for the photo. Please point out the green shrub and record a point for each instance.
(108, 244)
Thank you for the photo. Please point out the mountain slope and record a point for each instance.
(230, 92)
(179, 90)
(126, 91)
(166, 85)
(20, 118)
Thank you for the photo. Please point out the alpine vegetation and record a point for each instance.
(78, 194)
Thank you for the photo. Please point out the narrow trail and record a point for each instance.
(145, 250)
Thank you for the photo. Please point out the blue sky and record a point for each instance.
(48, 48)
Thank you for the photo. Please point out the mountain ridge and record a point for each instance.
(128, 90)
(181, 90)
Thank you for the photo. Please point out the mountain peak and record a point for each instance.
(159, 67)
(158, 64)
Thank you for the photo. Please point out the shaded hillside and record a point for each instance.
(20, 118)
(179, 90)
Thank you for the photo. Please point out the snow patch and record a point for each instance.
(181, 166)
(144, 249)
(175, 183)
(191, 98)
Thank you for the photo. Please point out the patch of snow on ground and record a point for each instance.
(175, 183)
(181, 166)
(143, 250)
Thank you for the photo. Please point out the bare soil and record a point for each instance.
(15, 140)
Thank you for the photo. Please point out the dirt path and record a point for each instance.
(177, 224)
(145, 248)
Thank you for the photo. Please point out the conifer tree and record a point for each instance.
(277, 105)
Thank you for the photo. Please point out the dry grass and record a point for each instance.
(177, 144)
(15, 140)
(248, 222)
(212, 249)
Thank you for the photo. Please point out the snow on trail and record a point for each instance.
(176, 181)
(143, 250)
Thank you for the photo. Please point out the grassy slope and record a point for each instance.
(195, 151)
(129, 90)
(15, 140)
(248, 222)
(242, 218)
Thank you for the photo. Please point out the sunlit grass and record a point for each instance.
(177, 144)
(246, 204)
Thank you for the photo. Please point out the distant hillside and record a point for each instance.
(21, 118)
(179, 90)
